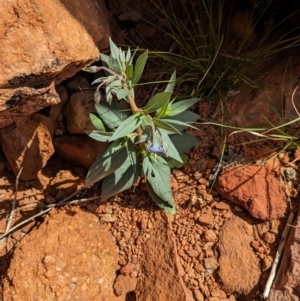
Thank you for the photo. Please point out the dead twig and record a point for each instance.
(13, 206)
(278, 255)
(44, 211)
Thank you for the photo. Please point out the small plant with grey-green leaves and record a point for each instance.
(144, 143)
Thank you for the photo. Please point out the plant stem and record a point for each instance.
(139, 130)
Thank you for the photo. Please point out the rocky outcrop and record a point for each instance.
(76, 261)
(43, 43)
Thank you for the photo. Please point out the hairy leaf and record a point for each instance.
(114, 65)
(106, 163)
(114, 50)
(99, 135)
(157, 101)
(104, 58)
(127, 126)
(139, 67)
(180, 106)
(112, 115)
(122, 93)
(97, 122)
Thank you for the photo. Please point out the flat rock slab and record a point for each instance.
(69, 257)
(255, 188)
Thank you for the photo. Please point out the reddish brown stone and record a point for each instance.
(254, 188)
(237, 259)
(70, 256)
(124, 284)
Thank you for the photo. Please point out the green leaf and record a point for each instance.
(97, 122)
(178, 122)
(160, 123)
(159, 186)
(171, 150)
(122, 93)
(157, 101)
(114, 65)
(123, 178)
(112, 115)
(104, 58)
(139, 67)
(171, 84)
(127, 126)
(186, 117)
(175, 164)
(184, 142)
(129, 71)
(114, 50)
(99, 135)
(180, 106)
(107, 162)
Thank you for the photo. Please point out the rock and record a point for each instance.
(210, 236)
(255, 188)
(206, 219)
(237, 274)
(27, 143)
(211, 264)
(159, 268)
(69, 257)
(56, 110)
(79, 150)
(77, 112)
(63, 181)
(287, 282)
(42, 44)
(124, 285)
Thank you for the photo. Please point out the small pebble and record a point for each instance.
(198, 296)
(210, 236)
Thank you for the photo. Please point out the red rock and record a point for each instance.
(287, 283)
(79, 150)
(27, 144)
(220, 205)
(237, 274)
(192, 253)
(254, 188)
(60, 44)
(124, 284)
(206, 219)
(70, 246)
(127, 269)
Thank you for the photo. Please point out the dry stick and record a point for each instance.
(278, 255)
(49, 208)
(13, 206)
